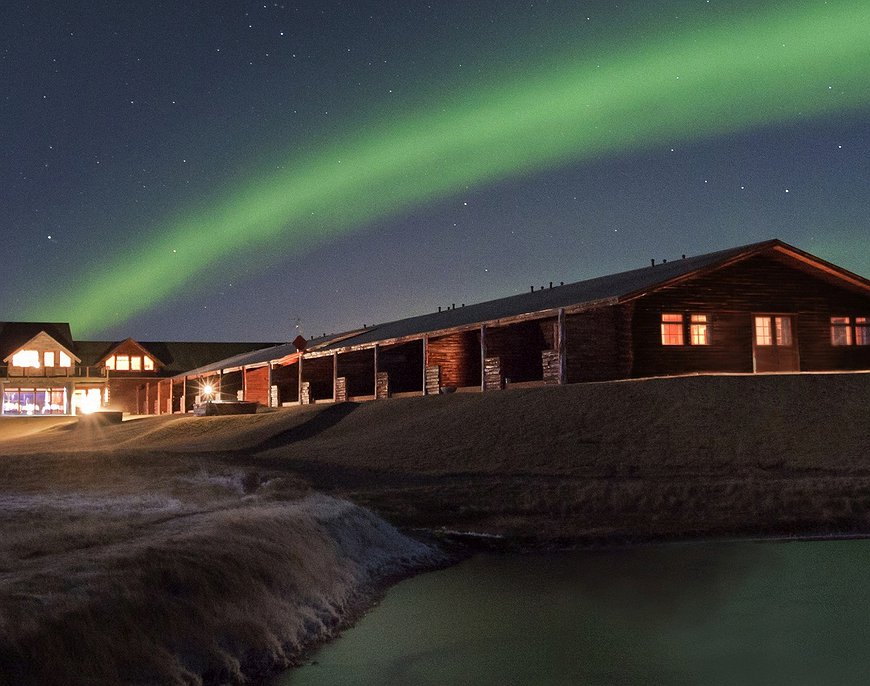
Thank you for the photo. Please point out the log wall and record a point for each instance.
(458, 356)
(758, 285)
(257, 385)
(519, 347)
(598, 345)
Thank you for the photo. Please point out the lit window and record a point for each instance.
(700, 330)
(136, 363)
(48, 358)
(763, 334)
(110, 362)
(26, 358)
(122, 363)
(841, 332)
(65, 360)
(862, 331)
(783, 330)
(147, 364)
(672, 329)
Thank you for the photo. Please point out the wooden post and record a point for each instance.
(244, 383)
(269, 386)
(425, 360)
(562, 347)
(299, 385)
(376, 348)
(334, 375)
(483, 357)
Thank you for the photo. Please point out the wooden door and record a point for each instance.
(774, 343)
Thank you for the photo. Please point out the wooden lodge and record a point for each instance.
(44, 371)
(762, 308)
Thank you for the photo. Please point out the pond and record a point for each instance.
(694, 613)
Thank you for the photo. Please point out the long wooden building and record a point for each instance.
(762, 308)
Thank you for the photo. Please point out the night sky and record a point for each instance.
(246, 170)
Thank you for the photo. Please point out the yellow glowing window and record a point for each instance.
(122, 363)
(147, 364)
(26, 358)
(672, 329)
(763, 333)
(700, 329)
(65, 360)
(862, 331)
(136, 363)
(48, 358)
(110, 362)
(841, 332)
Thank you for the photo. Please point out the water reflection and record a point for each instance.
(712, 613)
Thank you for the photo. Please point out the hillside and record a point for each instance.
(217, 548)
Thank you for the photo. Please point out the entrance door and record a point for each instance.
(774, 343)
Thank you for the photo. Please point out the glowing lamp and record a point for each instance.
(208, 391)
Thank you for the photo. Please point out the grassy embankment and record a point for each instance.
(175, 548)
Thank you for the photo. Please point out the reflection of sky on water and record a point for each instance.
(717, 613)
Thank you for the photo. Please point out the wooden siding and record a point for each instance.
(598, 345)
(257, 385)
(519, 347)
(458, 356)
(730, 296)
(358, 368)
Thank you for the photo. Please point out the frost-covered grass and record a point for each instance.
(110, 588)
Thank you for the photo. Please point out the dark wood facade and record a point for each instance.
(613, 329)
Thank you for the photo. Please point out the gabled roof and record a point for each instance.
(14, 335)
(246, 359)
(604, 290)
(175, 357)
(601, 291)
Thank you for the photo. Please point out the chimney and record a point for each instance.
(551, 284)
(652, 263)
(533, 289)
(439, 308)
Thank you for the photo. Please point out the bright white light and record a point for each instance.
(91, 402)
(208, 390)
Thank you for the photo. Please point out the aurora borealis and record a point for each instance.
(320, 229)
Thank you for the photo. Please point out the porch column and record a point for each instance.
(334, 374)
(299, 385)
(562, 347)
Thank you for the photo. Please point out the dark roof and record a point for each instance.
(15, 334)
(602, 290)
(246, 359)
(176, 357)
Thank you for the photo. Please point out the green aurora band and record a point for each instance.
(712, 80)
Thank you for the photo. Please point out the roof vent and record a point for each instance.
(652, 263)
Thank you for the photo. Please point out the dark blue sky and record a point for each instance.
(119, 116)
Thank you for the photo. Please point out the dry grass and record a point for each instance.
(201, 546)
